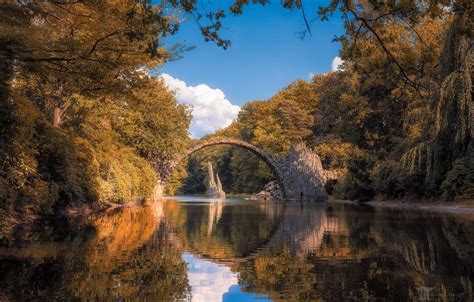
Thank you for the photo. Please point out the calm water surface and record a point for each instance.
(190, 248)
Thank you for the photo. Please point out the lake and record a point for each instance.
(198, 249)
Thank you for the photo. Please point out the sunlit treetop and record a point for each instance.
(90, 36)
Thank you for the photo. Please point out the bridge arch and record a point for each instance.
(271, 162)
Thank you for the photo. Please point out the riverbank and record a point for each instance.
(464, 207)
(88, 209)
(29, 220)
(459, 207)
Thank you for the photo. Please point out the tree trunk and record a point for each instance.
(57, 113)
(157, 191)
(6, 73)
(60, 108)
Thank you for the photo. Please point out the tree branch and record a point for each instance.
(100, 40)
(355, 40)
(380, 41)
(305, 19)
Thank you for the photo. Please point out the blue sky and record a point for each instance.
(266, 55)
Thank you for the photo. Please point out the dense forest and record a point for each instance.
(395, 120)
(83, 122)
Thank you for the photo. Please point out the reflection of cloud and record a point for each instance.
(209, 281)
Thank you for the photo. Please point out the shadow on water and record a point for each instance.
(191, 247)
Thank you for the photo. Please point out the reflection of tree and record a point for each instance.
(396, 256)
(437, 250)
(291, 252)
(130, 255)
(279, 274)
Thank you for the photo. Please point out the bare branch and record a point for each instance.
(355, 40)
(100, 40)
(305, 19)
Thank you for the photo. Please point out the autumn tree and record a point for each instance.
(82, 65)
(60, 49)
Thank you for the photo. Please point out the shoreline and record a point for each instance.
(87, 209)
(466, 208)
(460, 207)
(30, 220)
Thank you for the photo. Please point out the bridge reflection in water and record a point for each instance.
(208, 250)
(271, 226)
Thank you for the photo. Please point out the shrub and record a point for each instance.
(43, 168)
(69, 163)
(123, 175)
(459, 181)
(357, 183)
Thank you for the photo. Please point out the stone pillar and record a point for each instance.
(304, 179)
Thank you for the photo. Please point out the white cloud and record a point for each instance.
(311, 75)
(210, 109)
(336, 64)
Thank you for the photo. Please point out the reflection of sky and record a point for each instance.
(213, 282)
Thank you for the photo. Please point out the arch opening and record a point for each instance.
(265, 157)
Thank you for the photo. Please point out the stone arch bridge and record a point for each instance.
(300, 175)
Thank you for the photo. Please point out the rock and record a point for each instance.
(271, 191)
(213, 185)
(305, 175)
